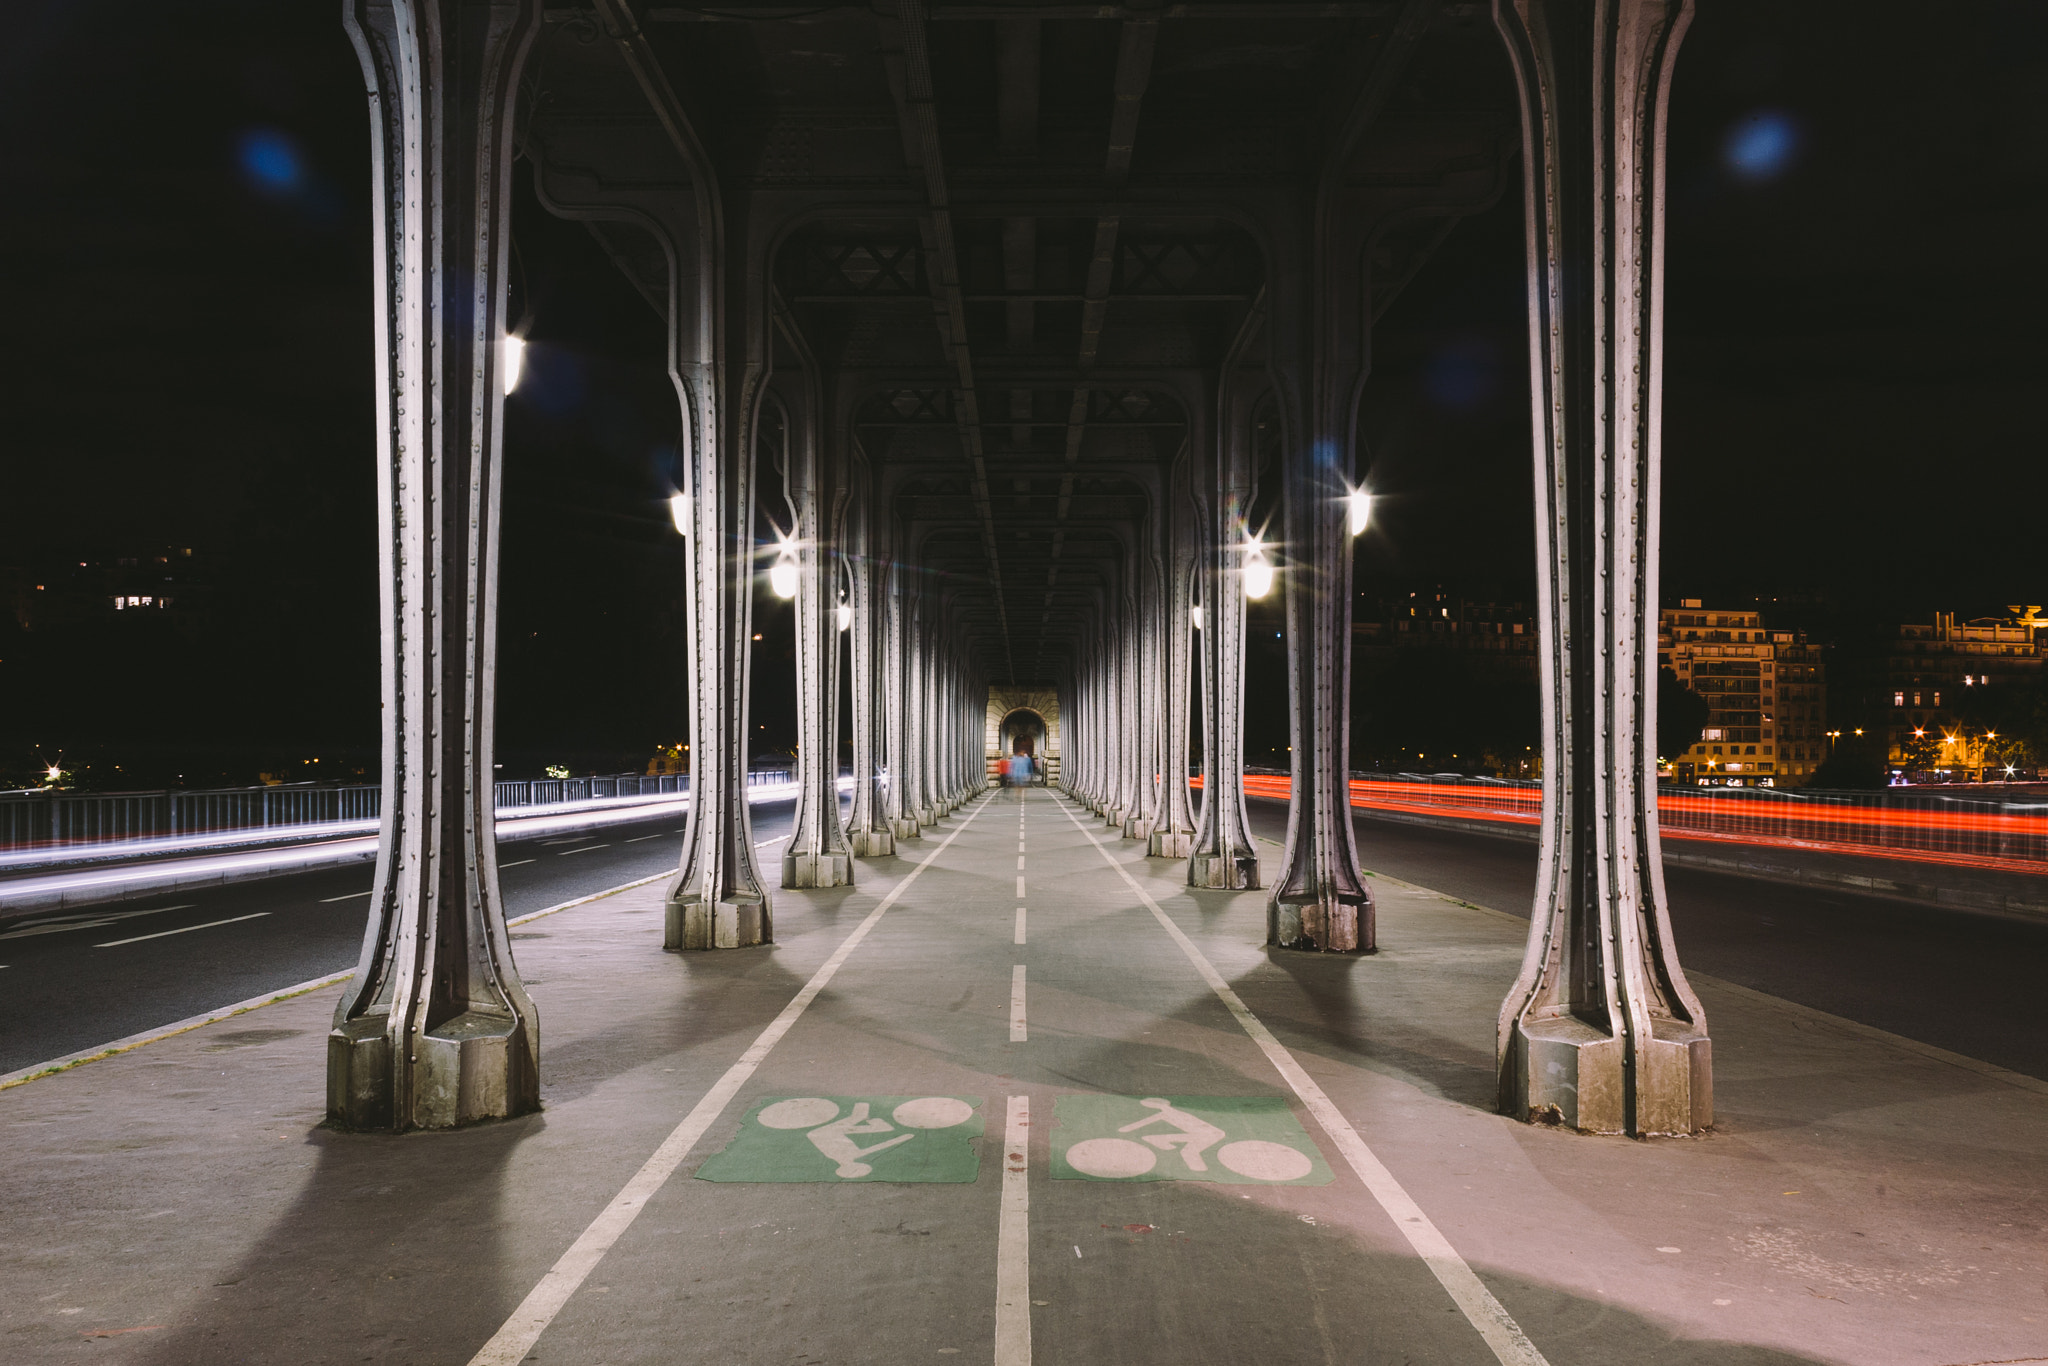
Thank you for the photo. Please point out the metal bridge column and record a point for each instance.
(868, 832)
(435, 1028)
(1318, 336)
(1173, 829)
(897, 717)
(816, 855)
(1225, 857)
(1601, 1031)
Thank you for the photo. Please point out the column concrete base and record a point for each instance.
(1136, 828)
(927, 816)
(1330, 923)
(1170, 843)
(476, 1066)
(739, 923)
(817, 870)
(1223, 872)
(1563, 1070)
(872, 843)
(906, 828)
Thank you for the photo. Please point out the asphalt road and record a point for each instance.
(1963, 981)
(75, 988)
(1960, 981)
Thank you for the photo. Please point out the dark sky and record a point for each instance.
(1859, 203)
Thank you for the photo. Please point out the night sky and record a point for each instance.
(1853, 383)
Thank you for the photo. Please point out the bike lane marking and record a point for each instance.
(1485, 1313)
(516, 1337)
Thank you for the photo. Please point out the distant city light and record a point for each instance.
(515, 361)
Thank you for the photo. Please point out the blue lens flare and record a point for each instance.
(271, 161)
(1761, 145)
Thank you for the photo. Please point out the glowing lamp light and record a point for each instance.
(53, 773)
(782, 578)
(845, 616)
(1195, 615)
(679, 509)
(1360, 505)
(1258, 570)
(515, 361)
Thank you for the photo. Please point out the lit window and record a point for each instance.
(1937, 699)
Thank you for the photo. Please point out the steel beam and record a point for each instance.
(1601, 1031)
(435, 1028)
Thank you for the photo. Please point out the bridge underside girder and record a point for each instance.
(997, 319)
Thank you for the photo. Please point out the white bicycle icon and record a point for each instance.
(1113, 1159)
(832, 1134)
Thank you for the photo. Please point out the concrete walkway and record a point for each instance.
(1864, 1200)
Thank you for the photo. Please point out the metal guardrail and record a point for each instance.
(45, 819)
(1974, 831)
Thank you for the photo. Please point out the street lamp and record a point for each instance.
(1359, 503)
(679, 511)
(1258, 570)
(782, 578)
(515, 360)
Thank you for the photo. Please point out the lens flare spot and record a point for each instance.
(1761, 145)
(271, 161)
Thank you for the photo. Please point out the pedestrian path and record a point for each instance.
(1019, 1097)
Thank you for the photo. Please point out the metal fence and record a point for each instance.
(1985, 832)
(44, 820)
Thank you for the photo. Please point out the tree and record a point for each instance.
(1857, 765)
(1681, 716)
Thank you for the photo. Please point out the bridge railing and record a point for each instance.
(1988, 832)
(48, 820)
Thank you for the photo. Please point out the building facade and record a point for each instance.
(1766, 693)
(1933, 670)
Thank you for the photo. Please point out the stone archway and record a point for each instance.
(1023, 716)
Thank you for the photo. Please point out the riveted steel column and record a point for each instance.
(868, 833)
(899, 807)
(1173, 830)
(1144, 691)
(1320, 900)
(1601, 1031)
(1225, 857)
(435, 1028)
(920, 750)
(816, 855)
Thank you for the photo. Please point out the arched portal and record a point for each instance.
(1022, 732)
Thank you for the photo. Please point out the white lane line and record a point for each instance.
(515, 1338)
(1020, 924)
(1017, 1004)
(232, 920)
(1020, 862)
(637, 838)
(1020, 884)
(584, 850)
(1467, 1291)
(513, 864)
(1013, 1240)
(328, 900)
(763, 844)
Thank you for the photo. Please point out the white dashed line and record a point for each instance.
(637, 838)
(584, 850)
(1020, 884)
(1017, 1004)
(1020, 924)
(1013, 1240)
(326, 900)
(232, 920)
(513, 864)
